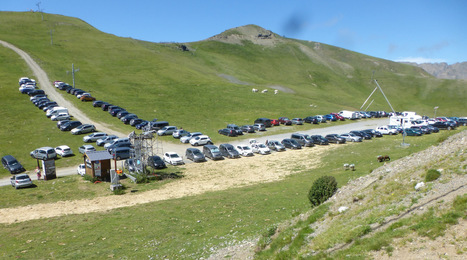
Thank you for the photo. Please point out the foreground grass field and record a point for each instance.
(190, 227)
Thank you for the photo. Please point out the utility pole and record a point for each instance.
(73, 73)
(39, 9)
(51, 37)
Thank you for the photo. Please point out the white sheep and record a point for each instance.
(254, 90)
(264, 91)
(276, 91)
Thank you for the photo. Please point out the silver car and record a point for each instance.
(94, 137)
(43, 153)
(20, 181)
(349, 137)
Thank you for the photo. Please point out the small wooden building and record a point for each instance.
(98, 164)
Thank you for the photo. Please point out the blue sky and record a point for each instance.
(399, 30)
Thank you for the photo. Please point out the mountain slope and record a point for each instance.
(164, 81)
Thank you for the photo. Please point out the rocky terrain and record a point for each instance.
(443, 70)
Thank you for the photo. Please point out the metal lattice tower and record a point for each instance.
(143, 146)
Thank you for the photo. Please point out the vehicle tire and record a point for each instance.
(16, 187)
(195, 144)
(449, 128)
(337, 142)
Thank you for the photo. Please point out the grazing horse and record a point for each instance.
(382, 158)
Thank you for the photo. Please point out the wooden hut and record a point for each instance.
(98, 164)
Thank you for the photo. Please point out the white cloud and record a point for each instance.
(419, 60)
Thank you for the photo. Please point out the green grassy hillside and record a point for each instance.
(209, 86)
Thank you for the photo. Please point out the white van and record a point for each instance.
(386, 130)
(56, 111)
(352, 115)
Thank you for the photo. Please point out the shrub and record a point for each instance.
(322, 189)
(432, 175)
(141, 178)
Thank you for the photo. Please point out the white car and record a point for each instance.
(63, 150)
(94, 137)
(186, 139)
(386, 130)
(200, 140)
(244, 150)
(81, 170)
(173, 158)
(60, 117)
(260, 148)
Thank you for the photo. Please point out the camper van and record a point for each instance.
(352, 115)
(56, 111)
(407, 119)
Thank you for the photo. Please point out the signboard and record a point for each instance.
(97, 168)
(48, 169)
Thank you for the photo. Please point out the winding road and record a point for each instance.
(46, 84)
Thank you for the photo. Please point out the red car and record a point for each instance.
(285, 120)
(339, 117)
(275, 122)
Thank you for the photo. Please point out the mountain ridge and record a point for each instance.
(443, 70)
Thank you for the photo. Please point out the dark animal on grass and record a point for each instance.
(382, 158)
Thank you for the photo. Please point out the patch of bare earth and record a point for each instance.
(199, 178)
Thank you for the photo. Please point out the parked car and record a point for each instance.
(83, 129)
(81, 170)
(60, 116)
(200, 140)
(265, 121)
(179, 133)
(157, 125)
(212, 152)
(106, 139)
(156, 162)
(285, 121)
(412, 132)
(122, 113)
(386, 130)
(167, 130)
(319, 139)
(227, 132)
(275, 122)
(335, 138)
(444, 125)
(229, 151)
(116, 141)
(330, 117)
(364, 135)
(248, 128)
(297, 121)
(130, 165)
(67, 126)
(94, 137)
(275, 145)
(86, 148)
(186, 139)
(121, 153)
(142, 124)
(303, 139)
(195, 155)
(244, 150)
(63, 150)
(320, 118)
(12, 165)
(126, 119)
(21, 180)
(433, 129)
(259, 127)
(44, 153)
(311, 120)
(351, 137)
(260, 148)
(173, 158)
(235, 128)
(136, 121)
(110, 147)
(98, 103)
(291, 143)
(87, 97)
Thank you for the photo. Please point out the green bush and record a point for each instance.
(432, 175)
(322, 189)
